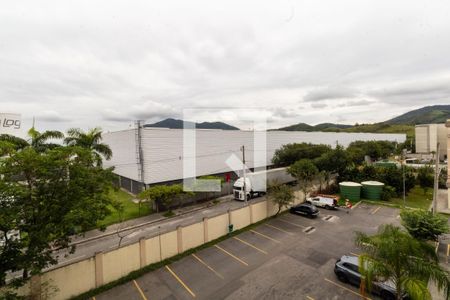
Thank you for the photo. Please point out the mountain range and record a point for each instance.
(179, 124)
(403, 123)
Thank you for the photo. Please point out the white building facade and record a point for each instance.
(427, 137)
(155, 155)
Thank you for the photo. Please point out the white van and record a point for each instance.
(325, 202)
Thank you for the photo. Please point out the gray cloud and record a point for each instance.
(103, 67)
(52, 117)
(327, 93)
(318, 105)
(433, 90)
(361, 102)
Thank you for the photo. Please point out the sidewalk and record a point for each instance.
(442, 201)
(142, 221)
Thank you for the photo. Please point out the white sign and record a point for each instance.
(10, 123)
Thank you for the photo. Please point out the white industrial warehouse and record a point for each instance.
(155, 155)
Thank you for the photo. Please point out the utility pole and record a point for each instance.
(243, 174)
(436, 179)
(403, 169)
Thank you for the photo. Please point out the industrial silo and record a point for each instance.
(372, 190)
(350, 190)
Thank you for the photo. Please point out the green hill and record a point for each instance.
(424, 115)
(402, 124)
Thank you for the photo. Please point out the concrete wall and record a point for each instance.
(169, 244)
(82, 276)
(152, 250)
(71, 280)
(240, 218)
(120, 262)
(192, 236)
(217, 227)
(259, 211)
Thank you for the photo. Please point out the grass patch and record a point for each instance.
(416, 198)
(155, 266)
(130, 209)
(169, 214)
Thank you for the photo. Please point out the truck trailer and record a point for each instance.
(256, 183)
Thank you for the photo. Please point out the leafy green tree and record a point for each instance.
(375, 149)
(425, 178)
(45, 196)
(163, 194)
(334, 161)
(89, 140)
(395, 255)
(281, 195)
(305, 172)
(290, 153)
(424, 225)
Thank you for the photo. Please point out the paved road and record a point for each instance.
(89, 249)
(277, 260)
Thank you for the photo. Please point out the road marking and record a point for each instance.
(309, 298)
(181, 281)
(354, 254)
(277, 228)
(208, 266)
(294, 224)
(263, 235)
(139, 289)
(233, 256)
(248, 244)
(375, 211)
(356, 205)
(347, 289)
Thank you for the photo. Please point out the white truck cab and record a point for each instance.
(238, 189)
(256, 182)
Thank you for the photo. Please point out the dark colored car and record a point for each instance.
(306, 209)
(347, 270)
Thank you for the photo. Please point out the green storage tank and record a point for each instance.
(350, 190)
(372, 190)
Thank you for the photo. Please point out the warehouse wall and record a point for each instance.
(123, 146)
(163, 149)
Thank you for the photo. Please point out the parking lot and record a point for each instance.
(289, 257)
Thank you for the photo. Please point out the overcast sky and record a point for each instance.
(106, 63)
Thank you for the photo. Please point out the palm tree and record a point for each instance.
(37, 140)
(393, 254)
(89, 140)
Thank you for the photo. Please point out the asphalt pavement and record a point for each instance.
(289, 257)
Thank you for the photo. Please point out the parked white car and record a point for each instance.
(325, 202)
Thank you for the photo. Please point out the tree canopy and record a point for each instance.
(305, 172)
(46, 197)
(290, 153)
(90, 140)
(424, 225)
(281, 196)
(393, 254)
